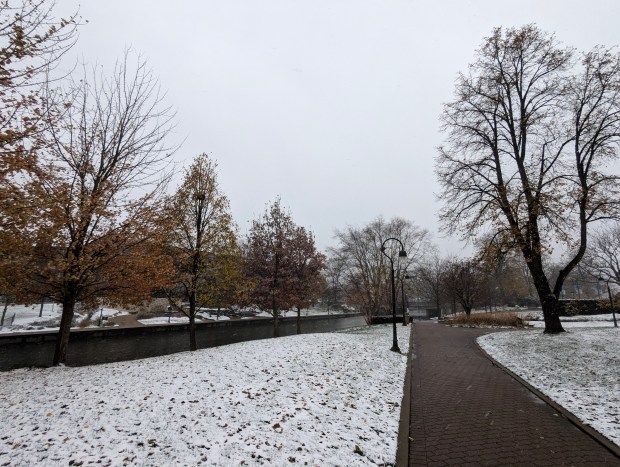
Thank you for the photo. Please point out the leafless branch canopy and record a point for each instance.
(531, 136)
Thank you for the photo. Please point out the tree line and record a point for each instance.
(491, 279)
(86, 214)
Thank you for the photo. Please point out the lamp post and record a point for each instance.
(401, 254)
(402, 296)
(611, 301)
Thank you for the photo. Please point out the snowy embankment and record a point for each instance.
(535, 319)
(317, 399)
(580, 370)
(33, 318)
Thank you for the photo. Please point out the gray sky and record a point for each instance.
(331, 104)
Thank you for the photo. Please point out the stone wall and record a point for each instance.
(93, 346)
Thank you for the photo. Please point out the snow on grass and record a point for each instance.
(580, 370)
(22, 316)
(321, 399)
(589, 321)
(179, 319)
(165, 320)
(25, 318)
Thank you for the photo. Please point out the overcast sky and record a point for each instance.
(331, 104)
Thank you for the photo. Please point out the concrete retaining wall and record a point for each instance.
(93, 346)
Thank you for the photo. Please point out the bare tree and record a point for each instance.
(603, 257)
(333, 295)
(465, 281)
(91, 224)
(528, 138)
(365, 272)
(429, 282)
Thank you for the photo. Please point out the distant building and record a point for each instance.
(422, 310)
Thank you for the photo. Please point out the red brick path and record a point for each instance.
(467, 412)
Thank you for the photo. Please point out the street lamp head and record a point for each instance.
(402, 254)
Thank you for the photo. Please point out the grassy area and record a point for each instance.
(503, 319)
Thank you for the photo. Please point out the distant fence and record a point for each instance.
(93, 346)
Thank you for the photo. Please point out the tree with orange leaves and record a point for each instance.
(32, 43)
(89, 223)
(201, 243)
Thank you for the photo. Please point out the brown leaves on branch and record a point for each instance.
(283, 263)
(202, 244)
(86, 222)
(32, 42)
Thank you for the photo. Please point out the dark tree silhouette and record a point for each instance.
(530, 133)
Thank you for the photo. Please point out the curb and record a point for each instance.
(402, 441)
(587, 429)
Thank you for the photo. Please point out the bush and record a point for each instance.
(151, 309)
(48, 323)
(158, 306)
(144, 312)
(87, 321)
(487, 319)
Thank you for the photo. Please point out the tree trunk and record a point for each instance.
(551, 314)
(192, 322)
(548, 300)
(276, 324)
(41, 309)
(62, 342)
(192, 332)
(298, 320)
(6, 306)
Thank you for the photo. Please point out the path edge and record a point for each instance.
(402, 441)
(615, 450)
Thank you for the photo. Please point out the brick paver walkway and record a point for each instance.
(467, 412)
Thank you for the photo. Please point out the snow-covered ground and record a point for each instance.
(535, 319)
(325, 399)
(24, 318)
(213, 316)
(580, 369)
(315, 399)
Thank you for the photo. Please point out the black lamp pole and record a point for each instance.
(402, 293)
(401, 254)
